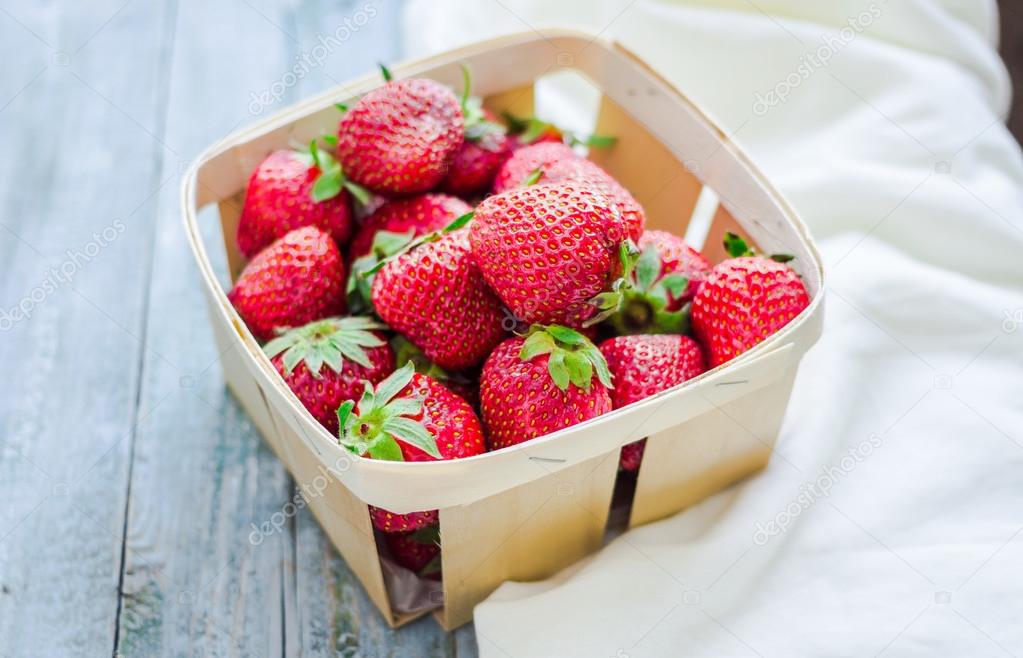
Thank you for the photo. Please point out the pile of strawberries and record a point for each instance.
(432, 285)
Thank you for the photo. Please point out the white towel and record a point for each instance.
(891, 518)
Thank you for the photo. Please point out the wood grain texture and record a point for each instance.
(78, 119)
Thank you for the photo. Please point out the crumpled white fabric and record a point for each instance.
(890, 521)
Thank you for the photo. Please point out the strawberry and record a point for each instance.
(409, 417)
(411, 217)
(745, 299)
(483, 151)
(551, 162)
(402, 137)
(326, 362)
(645, 365)
(418, 551)
(541, 383)
(547, 249)
(283, 195)
(297, 279)
(435, 295)
(655, 285)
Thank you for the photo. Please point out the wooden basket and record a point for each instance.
(525, 512)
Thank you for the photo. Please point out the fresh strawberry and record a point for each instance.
(476, 163)
(297, 279)
(547, 249)
(552, 162)
(645, 365)
(483, 151)
(327, 362)
(656, 284)
(402, 137)
(282, 195)
(743, 300)
(547, 381)
(410, 217)
(409, 417)
(418, 551)
(435, 295)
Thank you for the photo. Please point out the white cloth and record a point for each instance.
(894, 153)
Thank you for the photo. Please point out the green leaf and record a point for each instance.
(533, 178)
(358, 192)
(539, 343)
(345, 345)
(782, 258)
(331, 140)
(580, 370)
(412, 433)
(517, 124)
(327, 185)
(388, 243)
(557, 369)
(565, 335)
(431, 567)
(480, 129)
(428, 535)
(385, 72)
(675, 284)
(466, 86)
(385, 447)
(332, 356)
(648, 267)
(279, 344)
(341, 107)
(292, 358)
(736, 246)
(459, 222)
(596, 357)
(314, 151)
(395, 382)
(405, 407)
(535, 128)
(598, 141)
(344, 416)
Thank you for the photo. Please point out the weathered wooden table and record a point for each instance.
(130, 481)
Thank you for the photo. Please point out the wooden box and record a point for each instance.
(525, 512)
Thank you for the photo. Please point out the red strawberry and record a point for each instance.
(476, 163)
(655, 285)
(289, 190)
(546, 250)
(409, 417)
(402, 137)
(411, 217)
(645, 365)
(542, 383)
(744, 300)
(677, 257)
(418, 551)
(436, 297)
(297, 279)
(552, 162)
(327, 362)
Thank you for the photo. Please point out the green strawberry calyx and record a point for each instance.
(477, 125)
(530, 129)
(433, 236)
(736, 247)
(638, 300)
(573, 359)
(360, 280)
(382, 419)
(326, 342)
(331, 179)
